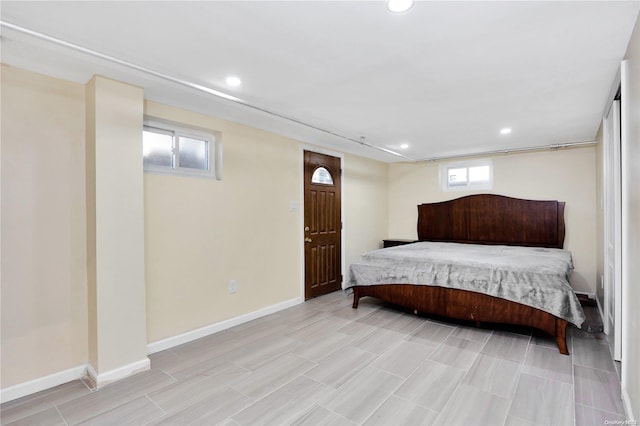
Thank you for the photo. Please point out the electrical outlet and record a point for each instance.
(233, 286)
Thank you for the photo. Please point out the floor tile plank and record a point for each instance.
(319, 348)
(284, 404)
(189, 391)
(592, 353)
(457, 352)
(505, 345)
(493, 375)
(363, 394)
(219, 405)
(113, 395)
(325, 363)
(401, 412)
(548, 363)
(338, 367)
(469, 405)
(133, 413)
(320, 416)
(598, 389)
(48, 417)
(591, 416)
(40, 401)
(272, 375)
(543, 401)
(431, 384)
(432, 332)
(403, 359)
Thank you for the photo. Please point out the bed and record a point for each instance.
(484, 258)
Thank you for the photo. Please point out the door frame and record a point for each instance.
(612, 149)
(339, 155)
(625, 137)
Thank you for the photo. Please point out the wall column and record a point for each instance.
(115, 230)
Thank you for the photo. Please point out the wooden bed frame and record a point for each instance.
(481, 219)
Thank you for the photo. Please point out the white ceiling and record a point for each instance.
(443, 77)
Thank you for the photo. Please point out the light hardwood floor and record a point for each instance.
(324, 363)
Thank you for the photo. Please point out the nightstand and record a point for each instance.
(397, 242)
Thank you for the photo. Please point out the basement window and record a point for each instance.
(171, 149)
(467, 176)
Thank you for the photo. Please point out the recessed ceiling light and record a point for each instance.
(233, 81)
(404, 146)
(505, 131)
(399, 5)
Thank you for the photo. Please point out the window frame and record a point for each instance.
(468, 186)
(328, 173)
(213, 147)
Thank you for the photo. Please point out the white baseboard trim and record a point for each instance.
(42, 383)
(75, 373)
(198, 333)
(110, 376)
(600, 310)
(626, 401)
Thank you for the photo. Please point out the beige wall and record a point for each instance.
(200, 233)
(631, 233)
(365, 193)
(44, 261)
(565, 175)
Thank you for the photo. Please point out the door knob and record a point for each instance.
(306, 228)
(308, 240)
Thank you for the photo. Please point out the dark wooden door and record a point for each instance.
(322, 224)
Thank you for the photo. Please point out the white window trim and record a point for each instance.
(214, 150)
(469, 186)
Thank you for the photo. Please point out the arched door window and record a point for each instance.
(322, 175)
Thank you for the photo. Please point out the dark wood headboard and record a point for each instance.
(493, 219)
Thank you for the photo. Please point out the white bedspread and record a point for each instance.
(537, 277)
